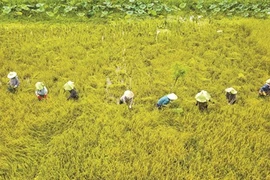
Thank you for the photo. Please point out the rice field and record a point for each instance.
(96, 138)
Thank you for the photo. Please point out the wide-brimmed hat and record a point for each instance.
(268, 81)
(129, 94)
(203, 96)
(69, 86)
(39, 85)
(172, 96)
(231, 90)
(12, 75)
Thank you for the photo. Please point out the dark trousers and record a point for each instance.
(202, 105)
(12, 89)
(231, 98)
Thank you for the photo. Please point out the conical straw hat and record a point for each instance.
(268, 81)
(129, 94)
(12, 75)
(39, 85)
(231, 90)
(203, 96)
(69, 86)
(172, 96)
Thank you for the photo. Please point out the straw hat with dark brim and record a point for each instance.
(69, 86)
(12, 75)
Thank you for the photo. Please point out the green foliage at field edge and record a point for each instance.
(131, 8)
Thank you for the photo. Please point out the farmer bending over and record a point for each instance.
(127, 98)
(166, 100)
(202, 99)
(231, 95)
(265, 90)
(69, 86)
(13, 82)
(41, 91)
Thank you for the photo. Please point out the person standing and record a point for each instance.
(202, 99)
(69, 86)
(127, 98)
(41, 91)
(265, 89)
(165, 100)
(231, 95)
(13, 82)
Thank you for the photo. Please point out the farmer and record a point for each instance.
(202, 99)
(166, 100)
(41, 91)
(265, 90)
(69, 86)
(13, 82)
(231, 95)
(127, 98)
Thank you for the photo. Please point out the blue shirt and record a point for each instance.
(265, 88)
(14, 82)
(163, 101)
(42, 92)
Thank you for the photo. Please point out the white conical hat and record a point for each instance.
(268, 81)
(39, 85)
(69, 86)
(129, 94)
(12, 75)
(172, 96)
(231, 90)
(203, 96)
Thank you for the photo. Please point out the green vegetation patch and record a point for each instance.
(133, 8)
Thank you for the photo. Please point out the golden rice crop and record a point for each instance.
(96, 138)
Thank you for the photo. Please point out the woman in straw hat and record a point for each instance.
(41, 91)
(231, 95)
(69, 86)
(127, 98)
(265, 90)
(202, 99)
(166, 100)
(13, 82)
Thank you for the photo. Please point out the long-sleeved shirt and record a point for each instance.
(202, 105)
(126, 100)
(14, 82)
(42, 92)
(265, 88)
(231, 97)
(163, 101)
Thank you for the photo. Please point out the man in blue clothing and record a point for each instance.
(265, 90)
(166, 100)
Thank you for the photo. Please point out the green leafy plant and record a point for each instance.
(135, 8)
(179, 72)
